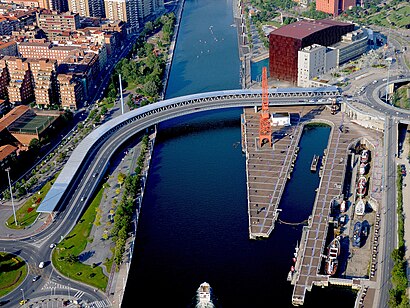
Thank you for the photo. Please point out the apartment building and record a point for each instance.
(4, 79)
(124, 10)
(87, 8)
(44, 79)
(8, 48)
(71, 90)
(46, 50)
(52, 21)
(20, 88)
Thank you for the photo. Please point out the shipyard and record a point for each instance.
(339, 244)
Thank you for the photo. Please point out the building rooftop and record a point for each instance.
(6, 150)
(12, 116)
(304, 28)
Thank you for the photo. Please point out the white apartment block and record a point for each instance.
(311, 63)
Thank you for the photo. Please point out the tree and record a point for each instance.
(150, 88)
(34, 144)
(149, 27)
(121, 178)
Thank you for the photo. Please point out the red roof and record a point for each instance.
(304, 28)
(6, 150)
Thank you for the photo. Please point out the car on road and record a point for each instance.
(41, 265)
(52, 245)
(83, 199)
(95, 174)
(23, 301)
(35, 278)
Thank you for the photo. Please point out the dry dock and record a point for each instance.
(269, 168)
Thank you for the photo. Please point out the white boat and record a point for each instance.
(360, 207)
(343, 206)
(332, 257)
(204, 296)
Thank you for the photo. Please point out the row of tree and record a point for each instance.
(124, 211)
(145, 64)
(398, 294)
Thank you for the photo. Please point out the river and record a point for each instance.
(193, 225)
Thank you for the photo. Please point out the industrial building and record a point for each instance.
(285, 42)
(303, 50)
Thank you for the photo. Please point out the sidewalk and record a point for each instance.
(6, 211)
(406, 202)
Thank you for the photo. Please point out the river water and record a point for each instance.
(194, 226)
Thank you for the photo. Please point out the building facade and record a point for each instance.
(71, 91)
(124, 10)
(20, 88)
(87, 8)
(334, 7)
(285, 42)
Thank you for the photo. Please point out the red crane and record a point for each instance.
(265, 129)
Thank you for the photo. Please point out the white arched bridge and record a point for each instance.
(93, 153)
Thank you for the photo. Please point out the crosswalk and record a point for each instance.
(100, 304)
(78, 294)
(54, 285)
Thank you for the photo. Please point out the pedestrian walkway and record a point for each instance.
(406, 202)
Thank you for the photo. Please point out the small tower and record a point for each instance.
(265, 129)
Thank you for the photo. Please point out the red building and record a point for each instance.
(334, 7)
(285, 42)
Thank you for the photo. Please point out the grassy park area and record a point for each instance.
(27, 214)
(66, 255)
(13, 270)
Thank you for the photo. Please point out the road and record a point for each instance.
(36, 248)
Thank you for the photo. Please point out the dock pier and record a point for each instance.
(267, 170)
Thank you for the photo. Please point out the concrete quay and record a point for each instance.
(267, 169)
(344, 135)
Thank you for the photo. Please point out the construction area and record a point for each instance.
(271, 152)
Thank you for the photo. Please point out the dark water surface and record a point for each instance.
(194, 225)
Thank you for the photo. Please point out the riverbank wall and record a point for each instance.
(118, 279)
(243, 48)
(170, 57)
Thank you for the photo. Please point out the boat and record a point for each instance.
(363, 168)
(342, 220)
(315, 161)
(360, 207)
(332, 255)
(364, 158)
(343, 206)
(357, 232)
(204, 296)
(361, 186)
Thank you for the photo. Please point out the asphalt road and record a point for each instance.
(36, 248)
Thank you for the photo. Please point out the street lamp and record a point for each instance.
(11, 194)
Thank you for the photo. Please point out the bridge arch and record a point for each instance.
(149, 115)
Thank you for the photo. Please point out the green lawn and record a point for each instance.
(74, 244)
(27, 214)
(400, 17)
(13, 270)
(106, 104)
